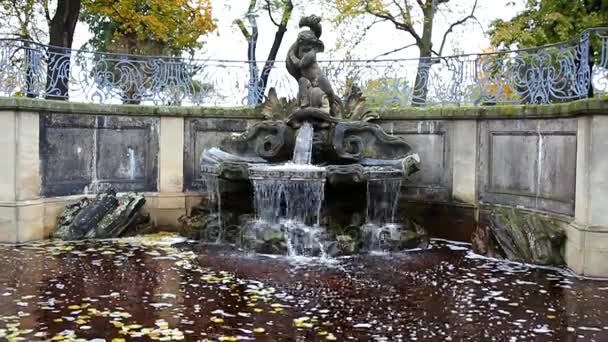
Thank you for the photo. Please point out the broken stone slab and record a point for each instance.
(528, 237)
(67, 216)
(87, 218)
(104, 217)
(115, 223)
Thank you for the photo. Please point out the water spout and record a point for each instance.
(302, 152)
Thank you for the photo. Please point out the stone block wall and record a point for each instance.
(552, 159)
(88, 153)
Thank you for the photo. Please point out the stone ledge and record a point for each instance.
(587, 250)
(67, 107)
(22, 221)
(559, 217)
(594, 106)
(587, 239)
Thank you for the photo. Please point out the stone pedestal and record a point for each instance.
(464, 147)
(587, 244)
(170, 203)
(21, 210)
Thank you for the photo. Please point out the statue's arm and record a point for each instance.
(293, 58)
(308, 59)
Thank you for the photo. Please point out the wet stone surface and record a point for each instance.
(144, 289)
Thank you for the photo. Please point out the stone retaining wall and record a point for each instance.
(552, 159)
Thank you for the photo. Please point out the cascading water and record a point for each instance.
(212, 188)
(382, 200)
(293, 199)
(292, 195)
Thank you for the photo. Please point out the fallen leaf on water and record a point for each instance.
(217, 320)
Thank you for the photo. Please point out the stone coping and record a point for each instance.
(67, 107)
(594, 106)
(559, 217)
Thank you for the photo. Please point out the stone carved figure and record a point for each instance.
(314, 91)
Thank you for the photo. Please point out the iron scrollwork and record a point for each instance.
(555, 73)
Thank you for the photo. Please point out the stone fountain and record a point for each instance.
(325, 144)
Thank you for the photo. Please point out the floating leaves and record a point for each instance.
(146, 289)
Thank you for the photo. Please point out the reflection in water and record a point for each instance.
(128, 288)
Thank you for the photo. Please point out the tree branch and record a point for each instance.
(395, 50)
(23, 31)
(47, 12)
(456, 23)
(268, 7)
(241, 26)
(287, 9)
(365, 30)
(398, 25)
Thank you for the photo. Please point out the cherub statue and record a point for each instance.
(314, 87)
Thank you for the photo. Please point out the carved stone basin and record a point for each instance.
(349, 151)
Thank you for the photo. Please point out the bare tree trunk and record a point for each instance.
(253, 94)
(272, 56)
(424, 64)
(274, 50)
(421, 85)
(61, 35)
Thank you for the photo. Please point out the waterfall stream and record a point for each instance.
(292, 195)
(296, 200)
(212, 188)
(382, 200)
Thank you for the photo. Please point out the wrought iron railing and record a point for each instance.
(554, 73)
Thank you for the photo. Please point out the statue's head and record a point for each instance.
(308, 41)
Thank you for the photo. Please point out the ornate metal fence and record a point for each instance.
(555, 73)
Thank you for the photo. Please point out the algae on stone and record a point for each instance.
(528, 237)
(104, 217)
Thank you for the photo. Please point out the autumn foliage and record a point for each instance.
(148, 26)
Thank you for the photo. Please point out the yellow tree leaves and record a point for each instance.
(148, 26)
(352, 8)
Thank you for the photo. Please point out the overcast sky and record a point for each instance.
(228, 42)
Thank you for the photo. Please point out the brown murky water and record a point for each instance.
(137, 290)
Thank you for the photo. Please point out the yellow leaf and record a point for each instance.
(217, 320)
